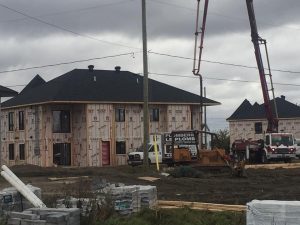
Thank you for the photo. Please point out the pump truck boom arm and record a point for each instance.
(201, 30)
(257, 40)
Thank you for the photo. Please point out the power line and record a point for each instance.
(66, 63)
(112, 43)
(178, 75)
(68, 11)
(219, 79)
(65, 29)
(16, 85)
(221, 63)
(235, 19)
(132, 53)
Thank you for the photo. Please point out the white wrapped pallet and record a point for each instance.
(125, 199)
(272, 212)
(148, 196)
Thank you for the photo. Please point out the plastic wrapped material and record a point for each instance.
(128, 199)
(271, 212)
(124, 199)
(12, 200)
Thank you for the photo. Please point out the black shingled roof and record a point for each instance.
(246, 110)
(82, 85)
(35, 82)
(7, 92)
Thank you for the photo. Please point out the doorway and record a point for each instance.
(62, 154)
(105, 153)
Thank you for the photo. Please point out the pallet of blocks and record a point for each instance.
(45, 216)
(130, 199)
(12, 200)
(266, 212)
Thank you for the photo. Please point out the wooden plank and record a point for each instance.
(274, 166)
(201, 206)
(67, 178)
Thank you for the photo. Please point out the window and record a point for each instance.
(21, 120)
(11, 151)
(154, 115)
(22, 151)
(10, 121)
(120, 115)
(258, 128)
(267, 140)
(61, 121)
(120, 147)
(152, 149)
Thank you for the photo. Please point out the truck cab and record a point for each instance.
(137, 157)
(279, 146)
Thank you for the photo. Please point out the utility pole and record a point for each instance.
(145, 66)
(205, 122)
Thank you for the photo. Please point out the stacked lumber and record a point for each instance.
(201, 206)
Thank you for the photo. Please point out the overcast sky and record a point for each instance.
(40, 32)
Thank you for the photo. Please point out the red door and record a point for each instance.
(105, 153)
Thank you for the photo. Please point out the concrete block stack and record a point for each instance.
(84, 204)
(12, 200)
(129, 199)
(148, 196)
(45, 216)
(266, 212)
(126, 199)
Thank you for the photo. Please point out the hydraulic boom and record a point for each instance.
(257, 41)
(201, 30)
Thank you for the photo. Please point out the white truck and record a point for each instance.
(164, 148)
(164, 144)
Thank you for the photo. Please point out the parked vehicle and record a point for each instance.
(274, 146)
(297, 146)
(163, 143)
(165, 149)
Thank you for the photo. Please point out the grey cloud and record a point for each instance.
(164, 18)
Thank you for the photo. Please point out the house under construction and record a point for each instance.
(90, 117)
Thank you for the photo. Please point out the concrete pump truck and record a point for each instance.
(274, 145)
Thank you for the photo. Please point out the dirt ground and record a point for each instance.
(212, 186)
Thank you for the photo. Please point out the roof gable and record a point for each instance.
(7, 92)
(285, 109)
(82, 85)
(35, 82)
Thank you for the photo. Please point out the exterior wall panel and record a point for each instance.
(93, 127)
(245, 129)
